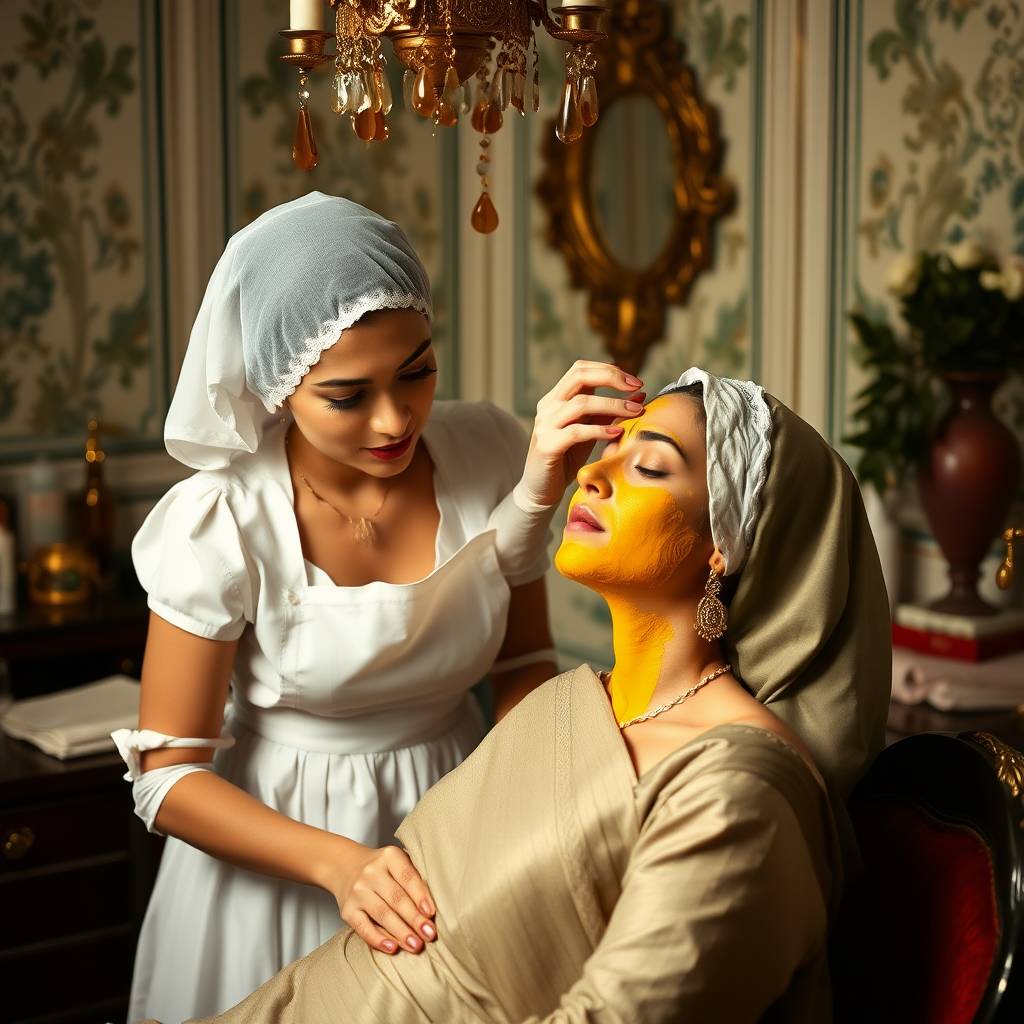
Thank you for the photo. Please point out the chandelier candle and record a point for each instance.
(306, 15)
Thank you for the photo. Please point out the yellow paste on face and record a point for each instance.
(646, 537)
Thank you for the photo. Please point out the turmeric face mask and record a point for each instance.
(634, 521)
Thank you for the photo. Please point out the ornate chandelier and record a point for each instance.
(443, 44)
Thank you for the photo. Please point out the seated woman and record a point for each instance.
(659, 844)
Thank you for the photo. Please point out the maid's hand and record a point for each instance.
(382, 896)
(570, 420)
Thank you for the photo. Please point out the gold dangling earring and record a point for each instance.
(712, 617)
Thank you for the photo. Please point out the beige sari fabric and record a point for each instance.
(569, 891)
(809, 630)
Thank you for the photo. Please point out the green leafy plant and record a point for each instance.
(965, 314)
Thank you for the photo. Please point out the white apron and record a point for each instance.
(343, 724)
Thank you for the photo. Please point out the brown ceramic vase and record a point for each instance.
(968, 484)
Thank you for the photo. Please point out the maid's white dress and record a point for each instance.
(349, 702)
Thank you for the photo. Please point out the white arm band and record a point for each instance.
(522, 531)
(533, 658)
(150, 788)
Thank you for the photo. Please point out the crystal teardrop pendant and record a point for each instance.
(357, 98)
(504, 89)
(536, 90)
(569, 126)
(381, 131)
(304, 148)
(408, 81)
(588, 101)
(518, 99)
(492, 118)
(339, 94)
(485, 216)
(423, 98)
(448, 105)
(364, 124)
(372, 86)
(463, 98)
(478, 116)
(386, 99)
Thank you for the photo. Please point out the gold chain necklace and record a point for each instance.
(679, 700)
(363, 530)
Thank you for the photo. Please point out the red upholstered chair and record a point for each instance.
(933, 933)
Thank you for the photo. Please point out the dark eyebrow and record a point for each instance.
(339, 382)
(412, 359)
(651, 435)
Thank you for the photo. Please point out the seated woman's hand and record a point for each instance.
(570, 420)
(382, 896)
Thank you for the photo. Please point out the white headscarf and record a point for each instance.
(283, 291)
(738, 443)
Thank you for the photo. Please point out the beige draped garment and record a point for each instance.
(569, 891)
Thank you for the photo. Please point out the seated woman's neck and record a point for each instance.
(657, 651)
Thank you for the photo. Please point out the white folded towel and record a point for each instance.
(76, 721)
(950, 685)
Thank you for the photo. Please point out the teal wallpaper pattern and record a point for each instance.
(932, 151)
(412, 178)
(80, 321)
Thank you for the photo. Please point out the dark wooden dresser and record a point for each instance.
(76, 865)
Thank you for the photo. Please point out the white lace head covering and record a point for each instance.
(285, 288)
(738, 443)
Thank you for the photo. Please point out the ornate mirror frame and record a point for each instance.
(627, 306)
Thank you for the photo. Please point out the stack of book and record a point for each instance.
(957, 636)
(958, 663)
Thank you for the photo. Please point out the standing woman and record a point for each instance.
(350, 559)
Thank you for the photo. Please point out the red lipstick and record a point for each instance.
(390, 452)
(582, 520)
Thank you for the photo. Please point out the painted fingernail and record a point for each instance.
(388, 945)
(427, 908)
(428, 930)
(633, 382)
(413, 943)
(634, 407)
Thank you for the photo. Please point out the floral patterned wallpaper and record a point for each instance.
(80, 317)
(410, 179)
(935, 148)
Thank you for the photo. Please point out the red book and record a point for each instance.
(979, 648)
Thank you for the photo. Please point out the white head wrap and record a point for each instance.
(283, 291)
(739, 428)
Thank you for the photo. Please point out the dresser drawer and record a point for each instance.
(56, 977)
(39, 835)
(56, 903)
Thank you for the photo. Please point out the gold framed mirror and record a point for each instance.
(632, 204)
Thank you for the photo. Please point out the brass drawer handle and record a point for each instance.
(17, 842)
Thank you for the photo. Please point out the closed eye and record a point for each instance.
(346, 403)
(421, 374)
(650, 473)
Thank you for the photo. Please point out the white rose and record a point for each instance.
(1012, 277)
(966, 255)
(990, 280)
(903, 274)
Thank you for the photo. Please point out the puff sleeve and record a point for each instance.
(191, 560)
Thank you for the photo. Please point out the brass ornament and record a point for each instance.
(1008, 763)
(712, 616)
(1004, 574)
(627, 305)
